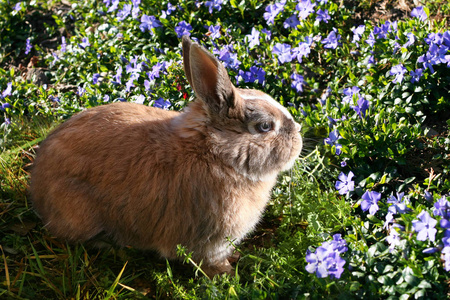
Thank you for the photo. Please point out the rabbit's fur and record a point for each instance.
(153, 179)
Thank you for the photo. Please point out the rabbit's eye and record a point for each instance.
(264, 127)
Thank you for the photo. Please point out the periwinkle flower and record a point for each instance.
(399, 72)
(95, 78)
(370, 201)
(332, 40)
(425, 227)
(291, 22)
(84, 43)
(18, 6)
(81, 91)
(215, 31)
(305, 8)
(214, 4)
(345, 183)
(7, 91)
(397, 205)
(393, 239)
(332, 141)
(371, 39)
(124, 12)
(317, 262)
(273, 10)
(253, 38)
(415, 75)
(301, 51)
(297, 82)
(140, 99)
(419, 13)
(28, 46)
(63, 44)
(349, 93)
(283, 51)
(148, 23)
(183, 28)
(323, 16)
(228, 58)
(442, 207)
(161, 103)
(411, 40)
(428, 196)
(114, 6)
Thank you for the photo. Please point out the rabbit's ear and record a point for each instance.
(186, 50)
(209, 78)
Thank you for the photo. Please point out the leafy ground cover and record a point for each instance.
(364, 213)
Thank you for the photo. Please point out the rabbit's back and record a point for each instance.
(93, 164)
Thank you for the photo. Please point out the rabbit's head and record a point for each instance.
(247, 129)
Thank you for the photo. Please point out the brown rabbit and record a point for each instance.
(153, 179)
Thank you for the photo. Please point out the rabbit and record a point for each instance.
(153, 179)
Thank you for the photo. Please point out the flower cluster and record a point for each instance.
(326, 260)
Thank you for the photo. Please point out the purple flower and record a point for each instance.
(362, 107)
(357, 33)
(267, 33)
(428, 196)
(332, 40)
(442, 208)
(18, 6)
(81, 91)
(322, 15)
(415, 75)
(4, 106)
(291, 22)
(183, 28)
(349, 93)
(28, 46)
(214, 32)
(214, 4)
(317, 262)
(419, 13)
(411, 40)
(425, 227)
(95, 78)
(338, 244)
(114, 6)
(399, 72)
(140, 99)
(283, 51)
(148, 23)
(118, 77)
(370, 201)
(345, 183)
(84, 43)
(228, 58)
(106, 98)
(273, 10)
(434, 38)
(301, 51)
(305, 8)
(393, 239)
(161, 103)
(253, 38)
(335, 265)
(124, 13)
(63, 44)
(397, 205)
(7, 91)
(428, 60)
(326, 260)
(332, 141)
(129, 84)
(297, 82)
(371, 40)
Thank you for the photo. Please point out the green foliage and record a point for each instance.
(396, 142)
